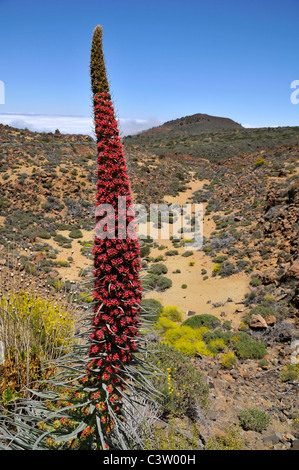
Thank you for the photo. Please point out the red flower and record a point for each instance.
(117, 291)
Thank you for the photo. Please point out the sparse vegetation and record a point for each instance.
(230, 440)
(250, 203)
(254, 420)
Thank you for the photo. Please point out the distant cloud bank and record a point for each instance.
(252, 126)
(71, 124)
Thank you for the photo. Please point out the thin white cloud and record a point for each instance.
(249, 126)
(71, 124)
(133, 126)
(252, 126)
(49, 123)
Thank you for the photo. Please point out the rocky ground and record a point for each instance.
(249, 257)
(251, 387)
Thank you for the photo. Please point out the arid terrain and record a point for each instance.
(246, 274)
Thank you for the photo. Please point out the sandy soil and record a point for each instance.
(200, 295)
(80, 261)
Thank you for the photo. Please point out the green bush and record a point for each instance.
(227, 269)
(219, 333)
(163, 283)
(240, 336)
(187, 253)
(67, 245)
(75, 233)
(242, 343)
(171, 252)
(255, 281)
(144, 251)
(250, 350)
(254, 420)
(227, 325)
(179, 381)
(158, 268)
(61, 226)
(219, 259)
(60, 239)
(197, 321)
(43, 234)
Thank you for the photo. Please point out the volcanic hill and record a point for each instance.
(194, 124)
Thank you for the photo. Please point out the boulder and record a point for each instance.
(38, 257)
(53, 275)
(293, 271)
(294, 346)
(295, 445)
(269, 277)
(190, 313)
(270, 320)
(273, 438)
(257, 321)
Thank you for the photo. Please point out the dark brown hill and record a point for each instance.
(194, 124)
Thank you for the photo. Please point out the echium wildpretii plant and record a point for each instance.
(117, 285)
(93, 400)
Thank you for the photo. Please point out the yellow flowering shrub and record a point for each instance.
(31, 320)
(260, 161)
(190, 334)
(216, 268)
(219, 344)
(188, 340)
(164, 324)
(203, 349)
(185, 346)
(172, 312)
(228, 360)
(230, 440)
(33, 331)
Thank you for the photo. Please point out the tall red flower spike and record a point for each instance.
(117, 286)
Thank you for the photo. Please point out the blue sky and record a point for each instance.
(165, 59)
